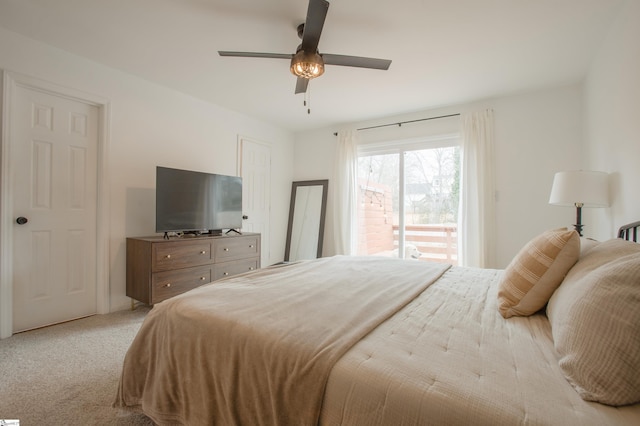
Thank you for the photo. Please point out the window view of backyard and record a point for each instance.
(420, 210)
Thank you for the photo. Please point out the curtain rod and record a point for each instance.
(399, 124)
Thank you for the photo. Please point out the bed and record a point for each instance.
(551, 340)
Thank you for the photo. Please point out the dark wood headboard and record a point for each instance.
(629, 232)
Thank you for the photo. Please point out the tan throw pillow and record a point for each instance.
(595, 318)
(536, 271)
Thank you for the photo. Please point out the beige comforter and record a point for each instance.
(449, 358)
(257, 349)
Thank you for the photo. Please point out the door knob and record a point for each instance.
(245, 217)
(22, 220)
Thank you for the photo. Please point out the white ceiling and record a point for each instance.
(443, 51)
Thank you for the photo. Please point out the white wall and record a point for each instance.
(536, 135)
(612, 119)
(152, 125)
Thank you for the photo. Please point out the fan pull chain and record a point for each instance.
(307, 98)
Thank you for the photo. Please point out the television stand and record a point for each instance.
(233, 230)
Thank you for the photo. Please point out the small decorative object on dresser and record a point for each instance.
(158, 269)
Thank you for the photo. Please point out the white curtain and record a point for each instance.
(345, 195)
(476, 219)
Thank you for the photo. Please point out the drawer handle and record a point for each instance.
(202, 278)
(225, 274)
(251, 268)
(226, 249)
(250, 245)
(168, 256)
(167, 285)
(203, 252)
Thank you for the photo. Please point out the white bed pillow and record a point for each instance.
(536, 271)
(586, 244)
(595, 322)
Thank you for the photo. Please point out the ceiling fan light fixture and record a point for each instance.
(307, 65)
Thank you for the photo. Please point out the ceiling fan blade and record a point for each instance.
(356, 61)
(256, 55)
(301, 85)
(316, 14)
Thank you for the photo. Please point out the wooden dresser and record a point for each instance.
(158, 269)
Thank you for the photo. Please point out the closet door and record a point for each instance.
(54, 169)
(255, 169)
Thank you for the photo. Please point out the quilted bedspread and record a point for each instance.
(449, 358)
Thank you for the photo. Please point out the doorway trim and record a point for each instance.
(11, 80)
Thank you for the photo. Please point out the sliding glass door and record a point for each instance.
(408, 200)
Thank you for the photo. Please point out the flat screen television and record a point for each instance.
(196, 202)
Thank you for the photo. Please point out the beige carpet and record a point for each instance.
(67, 374)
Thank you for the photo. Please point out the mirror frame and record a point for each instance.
(323, 211)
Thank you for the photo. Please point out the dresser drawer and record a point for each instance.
(236, 248)
(182, 254)
(170, 283)
(228, 269)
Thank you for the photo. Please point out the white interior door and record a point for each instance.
(255, 169)
(54, 187)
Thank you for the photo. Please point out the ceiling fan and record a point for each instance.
(307, 62)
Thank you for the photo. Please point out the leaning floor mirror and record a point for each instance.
(306, 220)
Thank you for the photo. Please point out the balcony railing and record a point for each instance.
(435, 243)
